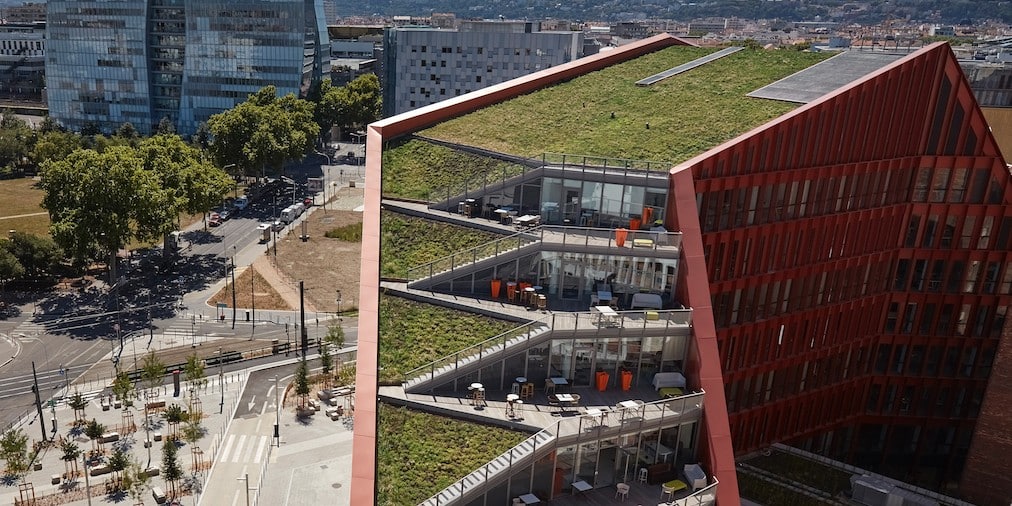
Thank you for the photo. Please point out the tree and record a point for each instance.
(14, 450)
(54, 145)
(127, 133)
(118, 461)
(152, 371)
(165, 127)
(326, 361)
(302, 382)
(94, 431)
(10, 268)
(98, 202)
(136, 481)
(37, 255)
(192, 433)
(202, 137)
(170, 466)
(71, 452)
(77, 402)
(335, 335)
(193, 372)
(16, 142)
(195, 185)
(354, 105)
(174, 415)
(122, 387)
(263, 132)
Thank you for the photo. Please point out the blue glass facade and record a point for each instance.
(141, 61)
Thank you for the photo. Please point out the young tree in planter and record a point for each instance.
(77, 402)
(302, 382)
(170, 466)
(326, 363)
(152, 371)
(174, 415)
(335, 335)
(193, 373)
(192, 433)
(71, 452)
(14, 450)
(136, 482)
(118, 462)
(123, 388)
(94, 431)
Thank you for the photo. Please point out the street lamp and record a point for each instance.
(221, 381)
(235, 184)
(277, 411)
(339, 305)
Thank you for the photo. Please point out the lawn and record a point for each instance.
(413, 334)
(687, 114)
(830, 480)
(764, 492)
(413, 169)
(410, 242)
(420, 454)
(21, 196)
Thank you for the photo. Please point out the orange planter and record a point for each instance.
(602, 381)
(496, 285)
(635, 223)
(626, 380)
(620, 235)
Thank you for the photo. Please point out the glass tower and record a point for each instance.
(141, 61)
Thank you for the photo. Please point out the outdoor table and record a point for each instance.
(530, 499)
(527, 220)
(606, 315)
(521, 380)
(504, 216)
(629, 404)
(581, 486)
(511, 399)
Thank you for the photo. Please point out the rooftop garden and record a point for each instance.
(420, 454)
(828, 479)
(413, 334)
(410, 242)
(763, 492)
(687, 114)
(413, 169)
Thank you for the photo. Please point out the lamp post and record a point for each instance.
(339, 318)
(277, 411)
(221, 381)
(245, 478)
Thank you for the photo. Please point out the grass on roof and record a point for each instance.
(420, 454)
(688, 113)
(413, 334)
(763, 492)
(411, 242)
(828, 479)
(414, 168)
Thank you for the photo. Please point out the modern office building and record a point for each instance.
(136, 61)
(425, 65)
(22, 56)
(836, 278)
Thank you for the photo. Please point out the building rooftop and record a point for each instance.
(605, 113)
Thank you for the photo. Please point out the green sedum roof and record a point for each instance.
(688, 113)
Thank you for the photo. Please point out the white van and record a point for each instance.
(289, 214)
(299, 208)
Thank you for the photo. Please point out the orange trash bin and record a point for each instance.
(634, 223)
(496, 285)
(620, 235)
(626, 380)
(511, 290)
(602, 381)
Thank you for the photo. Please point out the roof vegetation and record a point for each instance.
(687, 113)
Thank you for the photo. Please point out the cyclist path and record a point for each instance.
(285, 287)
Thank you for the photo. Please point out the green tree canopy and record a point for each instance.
(351, 106)
(98, 202)
(37, 255)
(10, 268)
(16, 140)
(196, 184)
(263, 132)
(55, 145)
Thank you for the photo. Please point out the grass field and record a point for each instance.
(413, 334)
(687, 114)
(420, 454)
(18, 197)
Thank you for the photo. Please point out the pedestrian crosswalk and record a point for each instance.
(29, 329)
(244, 448)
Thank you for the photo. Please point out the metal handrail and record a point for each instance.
(518, 456)
(570, 236)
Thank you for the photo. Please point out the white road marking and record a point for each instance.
(238, 448)
(260, 450)
(228, 446)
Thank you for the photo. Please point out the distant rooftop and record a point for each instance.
(824, 77)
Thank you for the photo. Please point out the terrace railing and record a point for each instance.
(536, 332)
(566, 161)
(574, 431)
(561, 236)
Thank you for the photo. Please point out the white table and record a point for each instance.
(581, 486)
(527, 220)
(504, 215)
(557, 380)
(565, 397)
(660, 450)
(530, 499)
(605, 315)
(630, 404)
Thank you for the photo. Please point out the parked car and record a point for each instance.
(224, 214)
(214, 220)
(278, 225)
(308, 201)
(241, 203)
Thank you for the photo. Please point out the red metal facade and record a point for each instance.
(857, 252)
